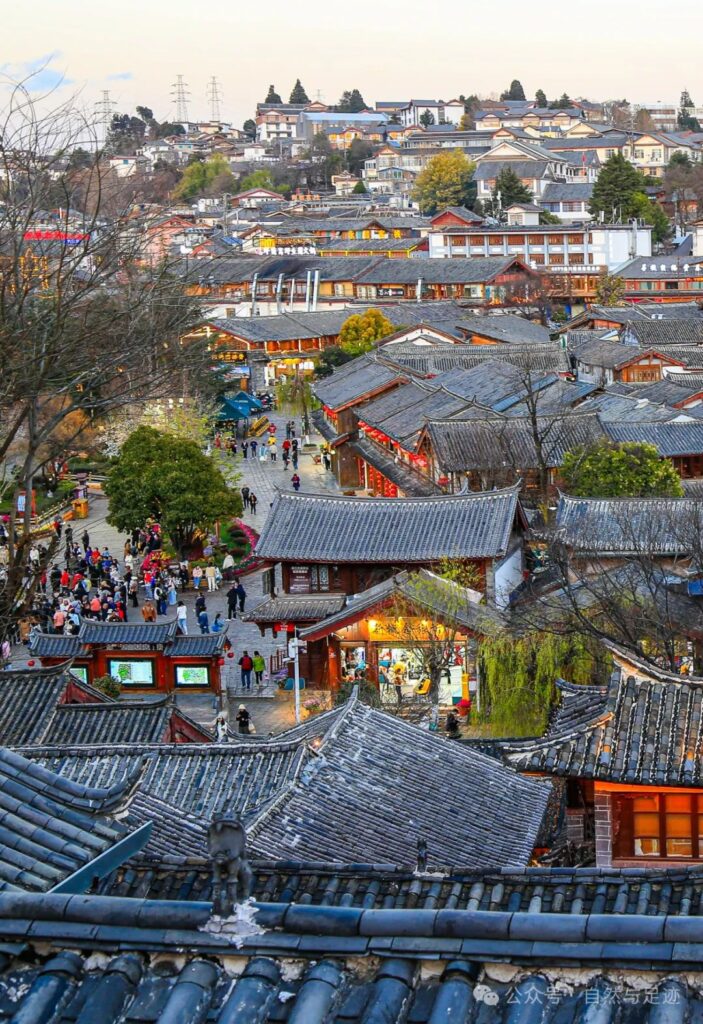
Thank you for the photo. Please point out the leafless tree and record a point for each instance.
(89, 320)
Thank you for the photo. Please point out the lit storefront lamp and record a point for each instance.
(372, 625)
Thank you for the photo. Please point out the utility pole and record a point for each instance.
(103, 116)
(214, 98)
(180, 94)
(294, 646)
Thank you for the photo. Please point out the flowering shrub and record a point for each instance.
(247, 560)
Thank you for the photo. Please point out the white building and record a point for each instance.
(450, 111)
(558, 248)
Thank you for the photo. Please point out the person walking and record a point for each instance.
(252, 503)
(243, 719)
(295, 480)
(203, 621)
(85, 540)
(211, 577)
(245, 495)
(232, 602)
(259, 665)
(253, 444)
(241, 595)
(273, 449)
(134, 591)
(246, 664)
(182, 617)
(294, 458)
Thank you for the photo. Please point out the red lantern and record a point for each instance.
(231, 654)
(220, 661)
(31, 664)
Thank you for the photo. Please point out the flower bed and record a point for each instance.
(247, 560)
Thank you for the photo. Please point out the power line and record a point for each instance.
(214, 98)
(180, 94)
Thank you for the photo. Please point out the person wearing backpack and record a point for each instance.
(246, 665)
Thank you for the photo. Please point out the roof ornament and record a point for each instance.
(232, 876)
(421, 854)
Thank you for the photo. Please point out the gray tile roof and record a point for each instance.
(295, 608)
(352, 381)
(666, 391)
(617, 407)
(191, 780)
(488, 169)
(629, 526)
(608, 354)
(563, 192)
(670, 439)
(641, 730)
(360, 799)
(506, 327)
(76, 724)
(92, 632)
(197, 645)
(463, 446)
(53, 828)
(535, 890)
(411, 482)
(28, 701)
(434, 361)
(404, 424)
(455, 271)
(652, 333)
(346, 964)
(446, 600)
(320, 528)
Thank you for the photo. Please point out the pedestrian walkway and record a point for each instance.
(272, 710)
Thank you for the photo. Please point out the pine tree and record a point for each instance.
(615, 188)
(272, 96)
(298, 94)
(507, 190)
(351, 102)
(541, 98)
(515, 92)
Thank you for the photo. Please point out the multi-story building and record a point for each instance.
(311, 121)
(276, 121)
(576, 248)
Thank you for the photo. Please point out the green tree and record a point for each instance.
(646, 210)
(679, 159)
(610, 289)
(79, 159)
(361, 331)
(272, 96)
(546, 217)
(508, 189)
(329, 359)
(359, 189)
(357, 155)
(644, 121)
(562, 103)
(298, 94)
(609, 470)
(445, 181)
(211, 176)
(515, 92)
(351, 102)
(256, 179)
(541, 98)
(426, 118)
(325, 159)
(615, 187)
(294, 395)
(249, 128)
(171, 480)
(686, 121)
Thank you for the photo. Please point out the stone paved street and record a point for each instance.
(273, 712)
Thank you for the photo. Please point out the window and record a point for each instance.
(132, 671)
(575, 239)
(658, 825)
(536, 240)
(556, 258)
(309, 579)
(516, 239)
(556, 239)
(495, 239)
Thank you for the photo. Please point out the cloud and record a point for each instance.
(120, 76)
(37, 74)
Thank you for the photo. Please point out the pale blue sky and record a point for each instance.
(641, 49)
